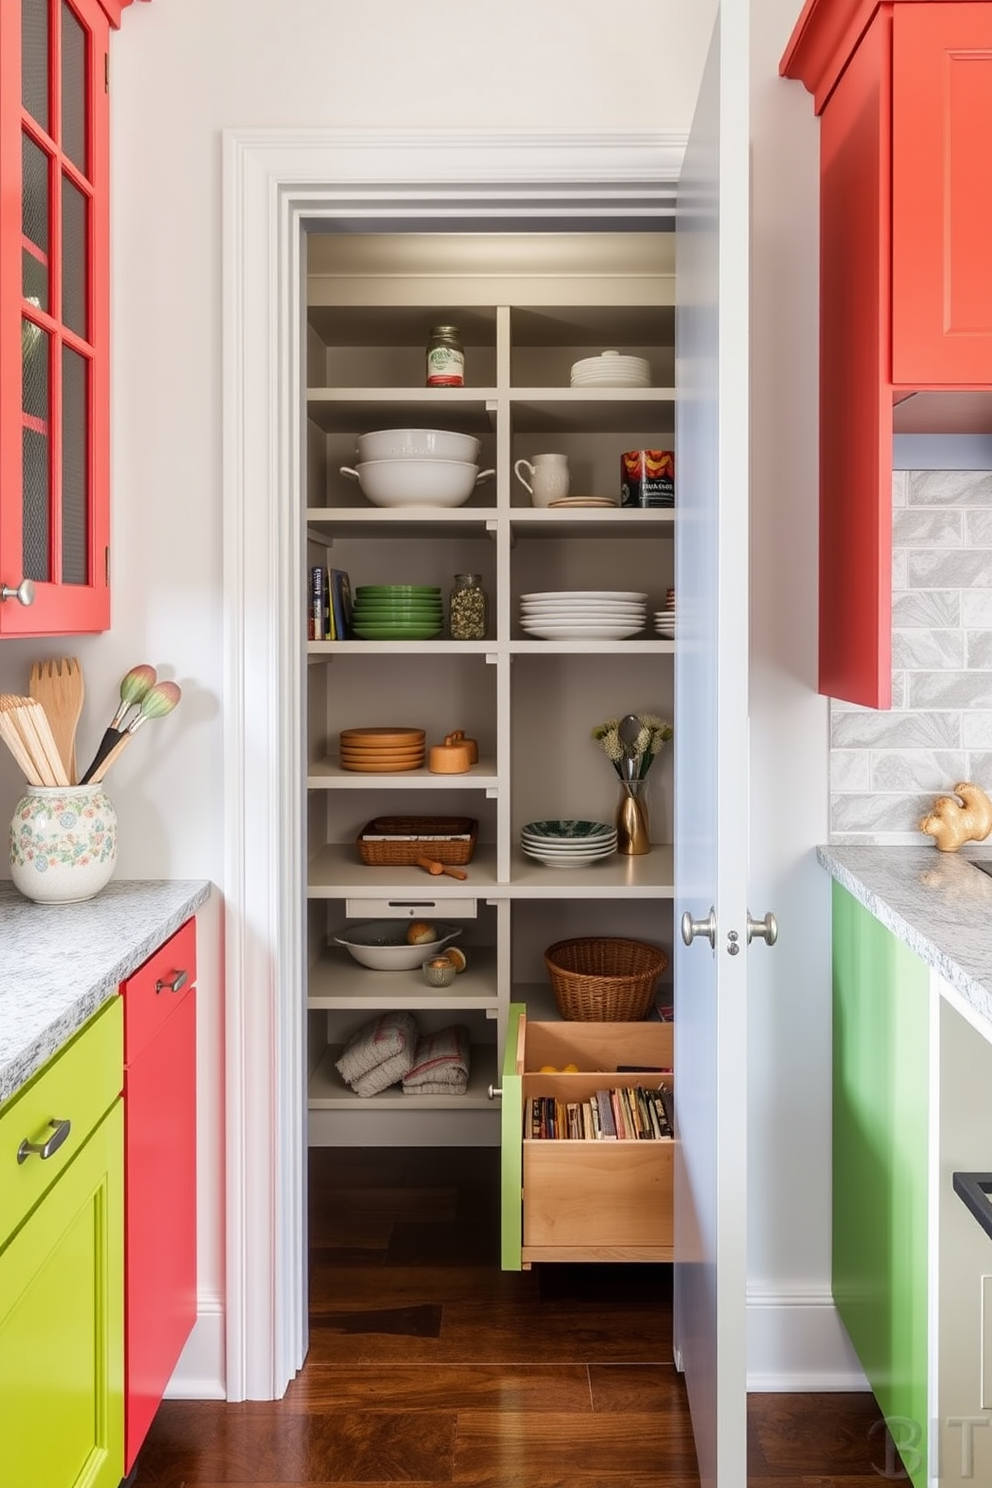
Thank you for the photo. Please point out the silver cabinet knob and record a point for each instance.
(766, 929)
(691, 928)
(174, 983)
(494, 1091)
(24, 593)
(45, 1150)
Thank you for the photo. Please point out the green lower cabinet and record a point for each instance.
(62, 1327)
(881, 1115)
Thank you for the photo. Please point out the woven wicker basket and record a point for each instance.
(380, 843)
(603, 978)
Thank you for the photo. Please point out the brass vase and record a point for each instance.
(633, 827)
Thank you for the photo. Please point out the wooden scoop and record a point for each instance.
(431, 865)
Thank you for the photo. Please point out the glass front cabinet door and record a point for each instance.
(54, 316)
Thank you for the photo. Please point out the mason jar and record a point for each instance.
(468, 609)
(445, 357)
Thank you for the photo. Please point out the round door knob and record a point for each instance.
(691, 928)
(24, 593)
(766, 929)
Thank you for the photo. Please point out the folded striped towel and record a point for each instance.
(440, 1063)
(379, 1053)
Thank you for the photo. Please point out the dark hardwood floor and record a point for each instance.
(428, 1365)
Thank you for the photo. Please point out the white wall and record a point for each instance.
(181, 71)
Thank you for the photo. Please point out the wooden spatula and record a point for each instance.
(58, 686)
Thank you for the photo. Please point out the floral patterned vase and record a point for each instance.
(63, 843)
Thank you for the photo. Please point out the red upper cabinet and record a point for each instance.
(904, 93)
(54, 316)
(942, 195)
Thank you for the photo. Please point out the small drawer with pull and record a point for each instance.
(153, 992)
(411, 907)
(44, 1125)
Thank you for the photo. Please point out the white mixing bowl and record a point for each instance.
(382, 944)
(416, 482)
(417, 444)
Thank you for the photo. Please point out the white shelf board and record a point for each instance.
(645, 876)
(327, 1091)
(592, 522)
(422, 522)
(336, 871)
(640, 647)
(336, 981)
(327, 774)
(327, 649)
(351, 410)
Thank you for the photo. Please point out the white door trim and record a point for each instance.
(273, 183)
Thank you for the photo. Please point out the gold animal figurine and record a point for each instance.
(952, 822)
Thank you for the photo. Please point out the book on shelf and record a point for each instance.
(319, 605)
(341, 604)
(631, 1113)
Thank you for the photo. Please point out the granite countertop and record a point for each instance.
(61, 962)
(938, 903)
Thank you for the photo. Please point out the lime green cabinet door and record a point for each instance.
(62, 1327)
(880, 1142)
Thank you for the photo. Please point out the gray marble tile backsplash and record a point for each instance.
(886, 768)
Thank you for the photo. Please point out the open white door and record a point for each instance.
(711, 756)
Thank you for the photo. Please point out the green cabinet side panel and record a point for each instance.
(511, 1136)
(880, 1125)
(62, 1327)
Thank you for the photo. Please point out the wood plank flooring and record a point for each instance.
(429, 1366)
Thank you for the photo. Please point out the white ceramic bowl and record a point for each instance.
(417, 444)
(382, 944)
(417, 482)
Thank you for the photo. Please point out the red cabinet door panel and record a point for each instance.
(855, 638)
(160, 1215)
(942, 194)
(152, 992)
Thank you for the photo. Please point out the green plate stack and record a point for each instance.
(397, 612)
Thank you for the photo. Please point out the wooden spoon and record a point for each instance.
(432, 866)
(58, 686)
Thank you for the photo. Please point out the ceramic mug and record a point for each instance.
(548, 478)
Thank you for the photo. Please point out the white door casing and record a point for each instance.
(711, 761)
(274, 183)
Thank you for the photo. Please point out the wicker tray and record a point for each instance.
(604, 979)
(381, 841)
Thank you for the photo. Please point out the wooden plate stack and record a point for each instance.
(382, 750)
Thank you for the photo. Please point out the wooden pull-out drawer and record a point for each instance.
(152, 992)
(55, 1113)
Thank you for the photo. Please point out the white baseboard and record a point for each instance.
(200, 1373)
(797, 1342)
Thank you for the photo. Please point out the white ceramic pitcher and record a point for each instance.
(549, 478)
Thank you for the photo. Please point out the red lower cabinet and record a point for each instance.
(159, 1177)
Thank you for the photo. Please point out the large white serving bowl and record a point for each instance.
(382, 944)
(415, 482)
(417, 444)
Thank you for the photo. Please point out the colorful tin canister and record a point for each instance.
(647, 478)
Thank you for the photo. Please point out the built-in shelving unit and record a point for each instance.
(528, 306)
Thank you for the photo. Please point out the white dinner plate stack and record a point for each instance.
(664, 620)
(610, 369)
(583, 614)
(568, 844)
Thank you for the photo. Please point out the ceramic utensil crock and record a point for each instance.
(63, 843)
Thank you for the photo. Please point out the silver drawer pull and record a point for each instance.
(494, 1091)
(177, 981)
(45, 1149)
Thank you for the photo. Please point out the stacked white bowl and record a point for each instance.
(417, 467)
(583, 614)
(610, 369)
(568, 844)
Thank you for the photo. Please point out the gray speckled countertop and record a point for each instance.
(60, 962)
(938, 903)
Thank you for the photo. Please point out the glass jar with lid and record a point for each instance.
(468, 609)
(445, 357)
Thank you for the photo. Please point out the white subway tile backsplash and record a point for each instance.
(887, 767)
(919, 650)
(928, 527)
(932, 608)
(950, 488)
(940, 568)
(910, 770)
(976, 730)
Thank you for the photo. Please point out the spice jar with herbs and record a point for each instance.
(468, 609)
